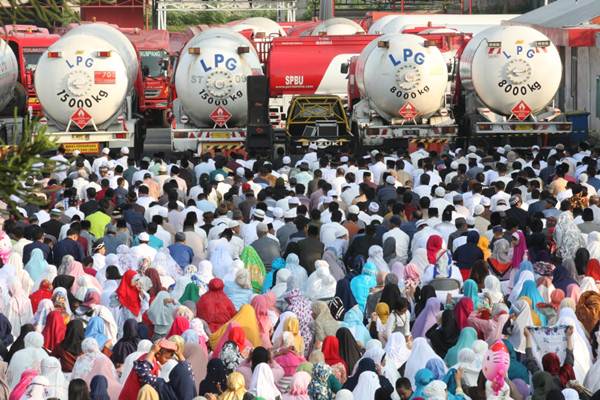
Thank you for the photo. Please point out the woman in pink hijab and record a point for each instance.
(261, 304)
(75, 269)
(299, 387)
(26, 378)
(91, 363)
(519, 248)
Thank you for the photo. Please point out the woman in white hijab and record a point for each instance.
(375, 351)
(467, 360)
(292, 262)
(435, 390)
(205, 275)
(320, 284)
(523, 319)
(18, 307)
(183, 281)
(30, 356)
(376, 257)
(220, 257)
(493, 289)
(516, 290)
(39, 319)
(567, 236)
(143, 347)
(263, 383)
(91, 363)
(16, 261)
(58, 386)
(588, 284)
(419, 258)
(281, 281)
(593, 245)
(421, 353)
(368, 383)
(581, 345)
(396, 349)
(161, 313)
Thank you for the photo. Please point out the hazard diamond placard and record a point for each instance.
(408, 111)
(81, 118)
(521, 110)
(220, 116)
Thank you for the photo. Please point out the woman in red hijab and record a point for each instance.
(129, 295)
(331, 351)
(44, 292)
(434, 245)
(214, 307)
(54, 331)
(179, 325)
(593, 269)
(463, 309)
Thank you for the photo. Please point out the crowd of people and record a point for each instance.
(467, 274)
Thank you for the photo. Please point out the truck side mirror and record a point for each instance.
(344, 68)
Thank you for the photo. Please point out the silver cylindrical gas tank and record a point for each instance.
(337, 26)
(506, 65)
(396, 69)
(260, 25)
(211, 76)
(8, 74)
(93, 67)
(377, 27)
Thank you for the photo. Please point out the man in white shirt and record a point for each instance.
(415, 156)
(248, 231)
(101, 160)
(144, 198)
(439, 202)
(143, 250)
(423, 189)
(330, 230)
(399, 239)
(423, 233)
(378, 168)
(446, 227)
(122, 161)
(500, 195)
(62, 164)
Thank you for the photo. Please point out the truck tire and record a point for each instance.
(138, 139)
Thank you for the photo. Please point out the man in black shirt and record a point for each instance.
(52, 226)
(38, 243)
(68, 246)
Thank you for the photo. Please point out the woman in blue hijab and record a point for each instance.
(467, 337)
(269, 281)
(530, 290)
(470, 290)
(95, 329)
(353, 320)
(423, 377)
(524, 266)
(363, 283)
(36, 266)
(562, 278)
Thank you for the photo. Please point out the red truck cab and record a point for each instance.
(28, 42)
(153, 47)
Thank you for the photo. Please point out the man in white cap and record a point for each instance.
(373, 210)
(222, 186)
(424, 231)
(330, 229)
(143, 250)
(500, 195)
(266, 247)
(311, 156)
(122, 161)
(286, 167)
(248, 231)
(104, 157)
(438, 201)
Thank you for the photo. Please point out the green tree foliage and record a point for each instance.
(22, 161)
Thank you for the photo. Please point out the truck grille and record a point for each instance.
(151, 92)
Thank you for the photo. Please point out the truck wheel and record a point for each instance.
(138, 139)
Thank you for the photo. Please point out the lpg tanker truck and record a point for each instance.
(84, 82)
(212, 104)
(402, 80)
(12, 95)
(509, 77)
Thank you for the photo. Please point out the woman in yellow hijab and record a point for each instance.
(236, 387)
(147, 392)
(246, 319)
(534, 315)
(292, 325)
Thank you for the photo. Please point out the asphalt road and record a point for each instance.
(157, 139)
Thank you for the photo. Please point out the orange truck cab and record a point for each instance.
(28, 42)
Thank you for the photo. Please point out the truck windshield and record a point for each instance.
(32, 56)
(153, 63)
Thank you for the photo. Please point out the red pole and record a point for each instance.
(470, 6)
(402, 7)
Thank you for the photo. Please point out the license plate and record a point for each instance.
(81, 137)
(85, 148)
(523, 127)
(220, 135)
